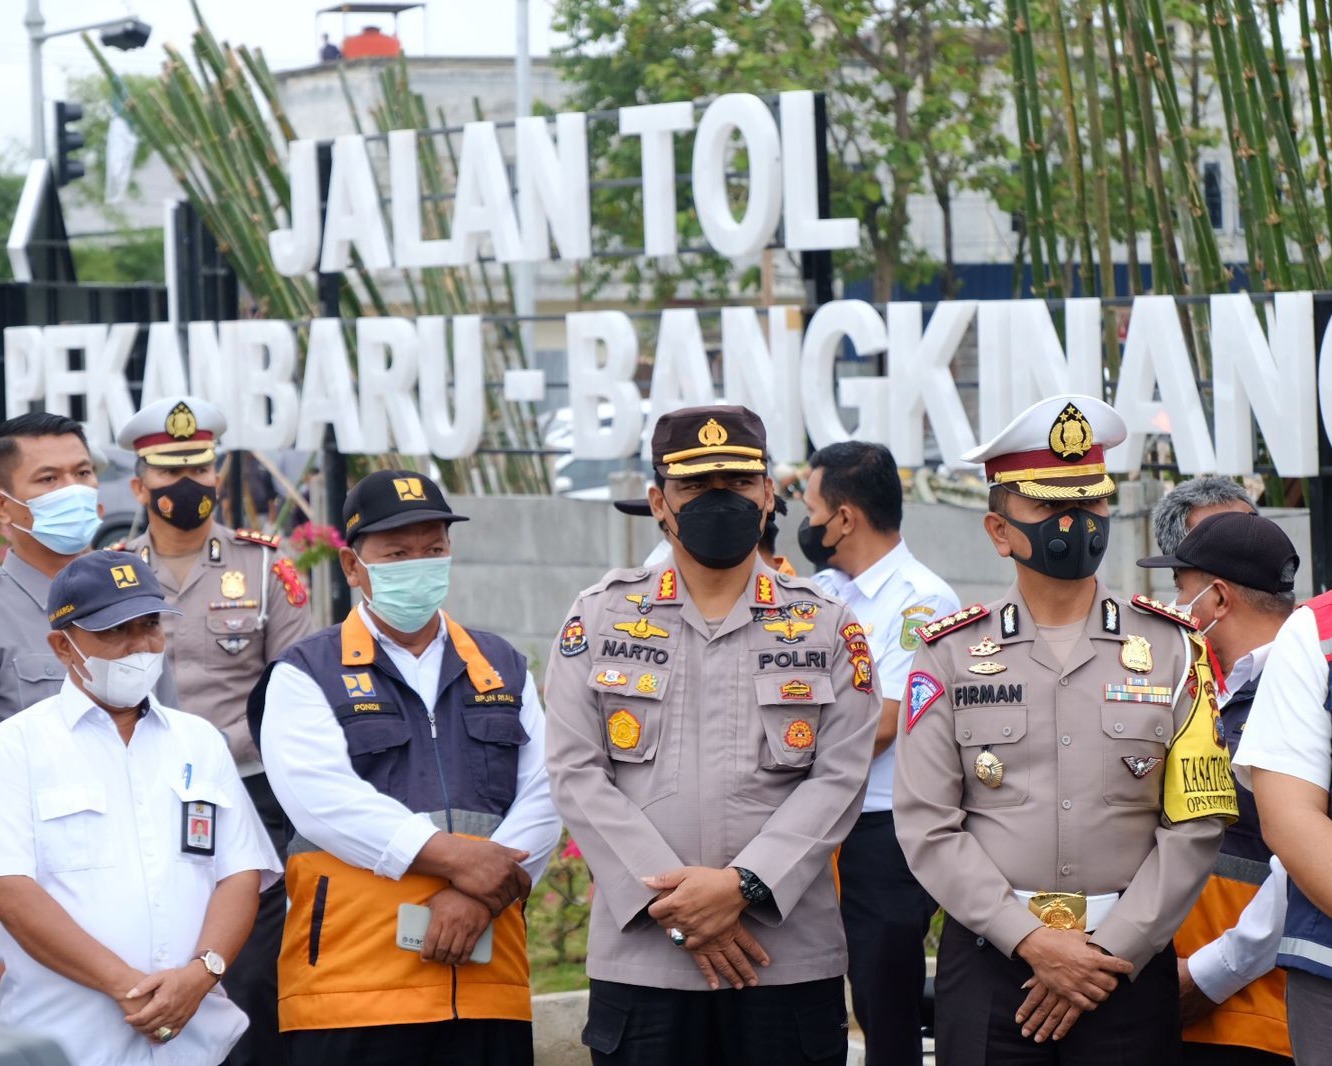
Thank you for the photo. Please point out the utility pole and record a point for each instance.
(35, 25)
(524, 274)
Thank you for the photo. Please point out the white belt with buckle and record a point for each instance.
(1069, 910)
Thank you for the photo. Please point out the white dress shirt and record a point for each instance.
(98, 824)
(339, 811)
(1289, 730)
(894, 593)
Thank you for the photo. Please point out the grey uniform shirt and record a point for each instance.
(1070, 814)
(29, 670)
(672, 745)
(238, 614)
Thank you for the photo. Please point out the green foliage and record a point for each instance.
(11, 188)
(557, 917)
(101, 99)
(912, 102)
(128, 258)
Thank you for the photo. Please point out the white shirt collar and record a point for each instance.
(75, 705)
(368, 617)
(1246, 668)
(870, 581)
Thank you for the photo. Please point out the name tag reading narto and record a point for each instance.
(198, 821)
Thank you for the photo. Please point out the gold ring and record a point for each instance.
(164, 1034)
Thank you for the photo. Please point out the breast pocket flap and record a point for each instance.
(491, 728)
(55, 803)
(991, 725)
(793, 688)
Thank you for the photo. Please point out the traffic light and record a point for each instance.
(68, 141)
(132, 33)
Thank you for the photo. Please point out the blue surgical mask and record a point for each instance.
(408, 594)
(65, 520)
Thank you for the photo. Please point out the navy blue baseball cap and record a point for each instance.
(389, 499)
(102, 589)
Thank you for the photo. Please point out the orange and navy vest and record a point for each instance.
(1255, 1016)
(1306, 943)
(340, 966)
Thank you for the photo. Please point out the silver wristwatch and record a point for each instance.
(213, 963)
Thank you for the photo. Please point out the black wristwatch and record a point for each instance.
(751, 887)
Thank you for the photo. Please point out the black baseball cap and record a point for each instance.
(102, 589)
(1247, 549)
(388, 499)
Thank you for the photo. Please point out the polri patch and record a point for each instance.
(922, 690)
(573, 637)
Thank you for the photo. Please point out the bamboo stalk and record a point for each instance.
(1074, 149)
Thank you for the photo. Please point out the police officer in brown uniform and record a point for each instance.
(710, 726)
(1062, 783)
(242, 603)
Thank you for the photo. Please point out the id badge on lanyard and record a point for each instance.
(198, 826)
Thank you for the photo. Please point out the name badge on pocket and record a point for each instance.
(198, 820)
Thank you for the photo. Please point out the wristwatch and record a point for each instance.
(213, 962)
(751, 887)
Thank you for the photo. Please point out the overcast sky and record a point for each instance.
(287, 30)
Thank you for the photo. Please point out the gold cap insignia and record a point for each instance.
(1071, 435)
(181, 423)
(409, 489)
(713, 434)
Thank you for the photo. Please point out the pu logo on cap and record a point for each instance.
(1071, 434)
(713, 434)
(124, 576)
(409, 489)
(181, 423)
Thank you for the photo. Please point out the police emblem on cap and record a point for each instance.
(1071, 434)
(713, 434)
(124, 576)
(409, 489)
(181, 423)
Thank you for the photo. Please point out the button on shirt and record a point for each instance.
(891, 598)
(97, 824)
(342, 813)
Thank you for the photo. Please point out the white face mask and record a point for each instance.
(1187, 608)
(120, 682)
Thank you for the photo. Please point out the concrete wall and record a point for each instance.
(520, 561)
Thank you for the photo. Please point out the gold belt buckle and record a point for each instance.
(1060, 910)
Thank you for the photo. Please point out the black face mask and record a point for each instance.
(184, 503)
(1066, 554)
(719, 528)
(810, 539)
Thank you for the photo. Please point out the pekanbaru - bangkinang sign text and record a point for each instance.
(419, 385)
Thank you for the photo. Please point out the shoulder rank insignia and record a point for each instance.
(1148, 605)
(763, 593)
(285, 571)
(950, 622)
(666, 586)
(268, 540)
(1110, 616)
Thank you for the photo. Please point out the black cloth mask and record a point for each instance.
(184, 503)
(719, 528)
(1068, 554)
(810, 539)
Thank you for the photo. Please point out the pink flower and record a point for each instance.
(571, 850)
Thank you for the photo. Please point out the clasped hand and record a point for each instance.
(1070, 976)
(705, 904)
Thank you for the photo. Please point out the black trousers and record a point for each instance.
(1229, 1055)
(251, 978)
(887, 915)
(771, 1025)
(466, 1042)
(978, 991)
